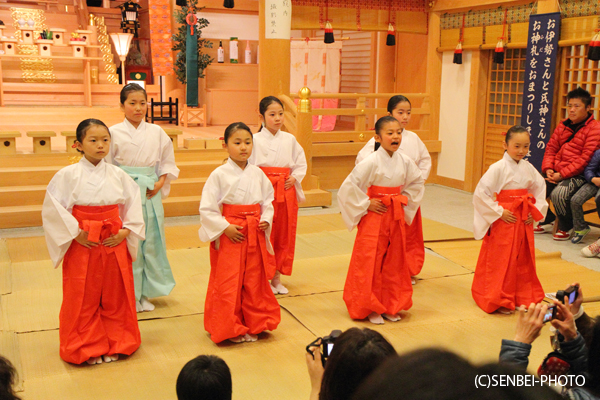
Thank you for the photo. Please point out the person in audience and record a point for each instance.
(92, 218)
(355, 354)
(7, 380)
(567, 153)
(204, 378)
(381, 195)
(145, 152)
(399, 107)
(282, 159)
(236, 214)
(507, 199)
(587, 191)
(569, 342)
(436, 374)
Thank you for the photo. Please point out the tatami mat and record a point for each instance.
(10, 350)
(24, 249)
(443, 315)
(327, 274)
(554, 272)
(436, 231)
(273, 365)
(5, 269)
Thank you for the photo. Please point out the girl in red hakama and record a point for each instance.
(505, 275)
(93, 220)
(399, 107)
(381, 194)
(236, 214)
(282, 159)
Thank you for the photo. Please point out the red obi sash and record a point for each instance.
(389, 196)
(99, 221)
(251, 213)
(518, 197)
(277, 176)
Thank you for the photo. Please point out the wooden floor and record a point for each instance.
(443, 315)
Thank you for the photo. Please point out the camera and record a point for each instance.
(571, 292)
(327, 343)
(550, 313)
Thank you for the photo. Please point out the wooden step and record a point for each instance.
(316, 198)
(20, 216)
(186, 187)
(27, 176)
(194, 169)
(12, 196)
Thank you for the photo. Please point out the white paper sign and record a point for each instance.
(278, 19)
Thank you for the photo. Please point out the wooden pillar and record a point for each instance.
(547, 6)
(480, 63)
(433, 86)
(274, 61)
(304, 132)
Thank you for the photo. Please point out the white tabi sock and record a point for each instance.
(146, 305)
(376, 318)
(393, 318)
(250, 338)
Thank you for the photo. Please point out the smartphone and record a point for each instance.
(550, 313)
(571, 292)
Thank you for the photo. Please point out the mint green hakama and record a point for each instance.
(151, 270)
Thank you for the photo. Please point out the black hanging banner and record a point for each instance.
(538, 90)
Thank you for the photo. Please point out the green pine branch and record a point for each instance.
(179, 40)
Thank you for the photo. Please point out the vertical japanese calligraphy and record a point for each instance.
(278, 19)
(538, 89)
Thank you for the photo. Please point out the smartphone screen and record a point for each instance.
(548, 315)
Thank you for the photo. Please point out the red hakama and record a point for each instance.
(98, 314)
(415, 248)
(378, 278)
(285, 219)
(239, 298)
(505, 275)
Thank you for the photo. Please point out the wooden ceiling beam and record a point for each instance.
(464, 5)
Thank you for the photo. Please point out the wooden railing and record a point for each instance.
(298, 121)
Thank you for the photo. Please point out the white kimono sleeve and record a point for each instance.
(267, 211)
(298, 170)
(352, 196)
(487, 210)
(167, 164)
(131, 215)
(212, 221)
(413, 189)
(60, 227)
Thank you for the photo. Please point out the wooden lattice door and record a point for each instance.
(504, 99)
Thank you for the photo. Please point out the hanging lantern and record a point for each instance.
(594, 49)
(391, 36)
(228, 4)
(329, 33)
(499, 52)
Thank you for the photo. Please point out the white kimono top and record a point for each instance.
(505, 174)
(411, 145)
(380, 169)
(229, 184)
(281, 150)
(146, 146)
(84, 184)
